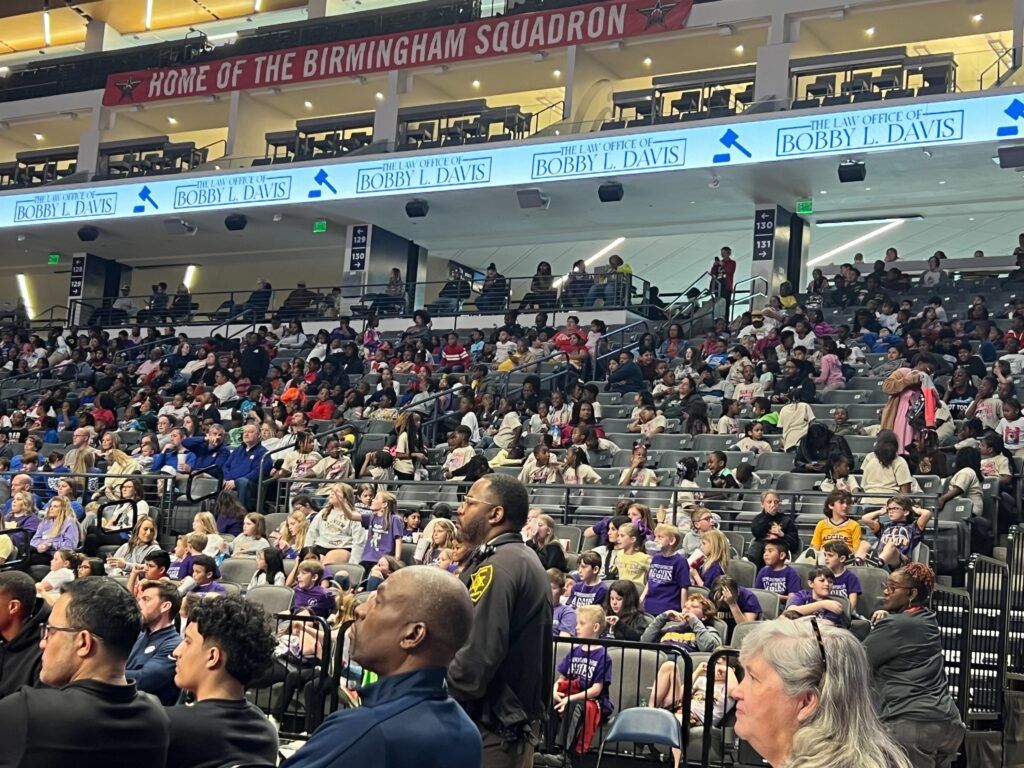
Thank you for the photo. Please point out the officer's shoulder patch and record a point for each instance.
(480, 582)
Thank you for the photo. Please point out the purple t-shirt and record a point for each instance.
(666, 578)
(564, 620)
(602, 525)
(584, 594)
(213, 588)
(904, 536)
(782, 582)
(318, 600)
(181, 569)
(747, 602)
(846, 584)
(381, 539)
(804, 597)
(710, 573)
(588, 667)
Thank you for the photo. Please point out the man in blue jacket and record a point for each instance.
(407, 632)
(209, 450)
(242, 468)
(627, 377)
(150, 664)
(175, 458)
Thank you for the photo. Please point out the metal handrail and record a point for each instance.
(620, 331)
(508, 374)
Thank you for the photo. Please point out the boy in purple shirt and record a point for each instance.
(668, 577)
(563, 621)
(308, 592)
(205, 575)
(777, 577)
(589, 590)
(584, 678)
(735, 604)
(846, 583)
(816, 600)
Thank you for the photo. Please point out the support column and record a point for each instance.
(772, 76)
(588, 90)
(100, 120)
(782, 242)
(1018, 33)
(249, 120)
(319, 9)
(385, 118)
(100, 36)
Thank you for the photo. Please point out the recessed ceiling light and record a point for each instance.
(379, 96)
(476, 83)
(46, 28)
(38, 136)
(648, 61)
(824, 192)
(867, 189)
(870, 31)
(739, 48)
(978, 18)
(693, 202)
(307, 104)
(557, 132)
(172, 120)
(971, 218)
(942, 182)
(557, 73)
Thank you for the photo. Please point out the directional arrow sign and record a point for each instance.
(764, 234)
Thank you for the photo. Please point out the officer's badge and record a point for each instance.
(480, 582)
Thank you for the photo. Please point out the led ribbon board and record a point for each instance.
(540, 162)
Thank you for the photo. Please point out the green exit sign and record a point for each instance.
(319, 226)
(804, 207)
(54, 258)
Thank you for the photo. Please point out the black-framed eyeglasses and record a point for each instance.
(821, 645)
(45, 630)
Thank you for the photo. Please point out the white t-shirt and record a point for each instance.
(470, 420)
(225, 392)
(510, 422)
(1012, 433)
(996, 465)
(989, 411)
(884, 480)
(503, 349)
(967, 481)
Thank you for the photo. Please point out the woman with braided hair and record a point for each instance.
(905, 654)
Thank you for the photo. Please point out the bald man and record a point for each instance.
(408, 633)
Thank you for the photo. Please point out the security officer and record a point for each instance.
(502, 676)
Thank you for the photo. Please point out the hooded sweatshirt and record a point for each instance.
(21, 658)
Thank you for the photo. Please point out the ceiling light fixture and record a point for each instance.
(557, 73)
(38, 136)
(172, 120)
(256, 5)
(855, 242)
(870, 31)
(190, 275)
(378, 96)
(978, 18)
(863, 222)
(46, 28)
(307, 104)
(648, 61)
(149, 14)
(740, 48)
(590, 260)
(476, 83)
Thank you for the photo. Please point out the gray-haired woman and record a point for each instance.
(804, 701)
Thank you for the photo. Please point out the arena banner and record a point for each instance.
(486, 38)
(785, 137)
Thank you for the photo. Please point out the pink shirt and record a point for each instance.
(831, 370)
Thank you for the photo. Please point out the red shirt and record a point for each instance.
(322, 410)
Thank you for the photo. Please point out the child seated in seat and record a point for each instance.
(777, 576)
(309, 594)
(633, 561)
(896, 539)
(725, 683)
(580, 696)
(837, 525)
(588, 590)
(845, 582)
(816, 601)
(838, 477)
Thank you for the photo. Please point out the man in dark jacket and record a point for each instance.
(407, 633)
(21, 615)
(242, 467)
(627, 377)
(503, 674)
(150, 664)
(102, 718)
(254, 359)
(209, 450)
